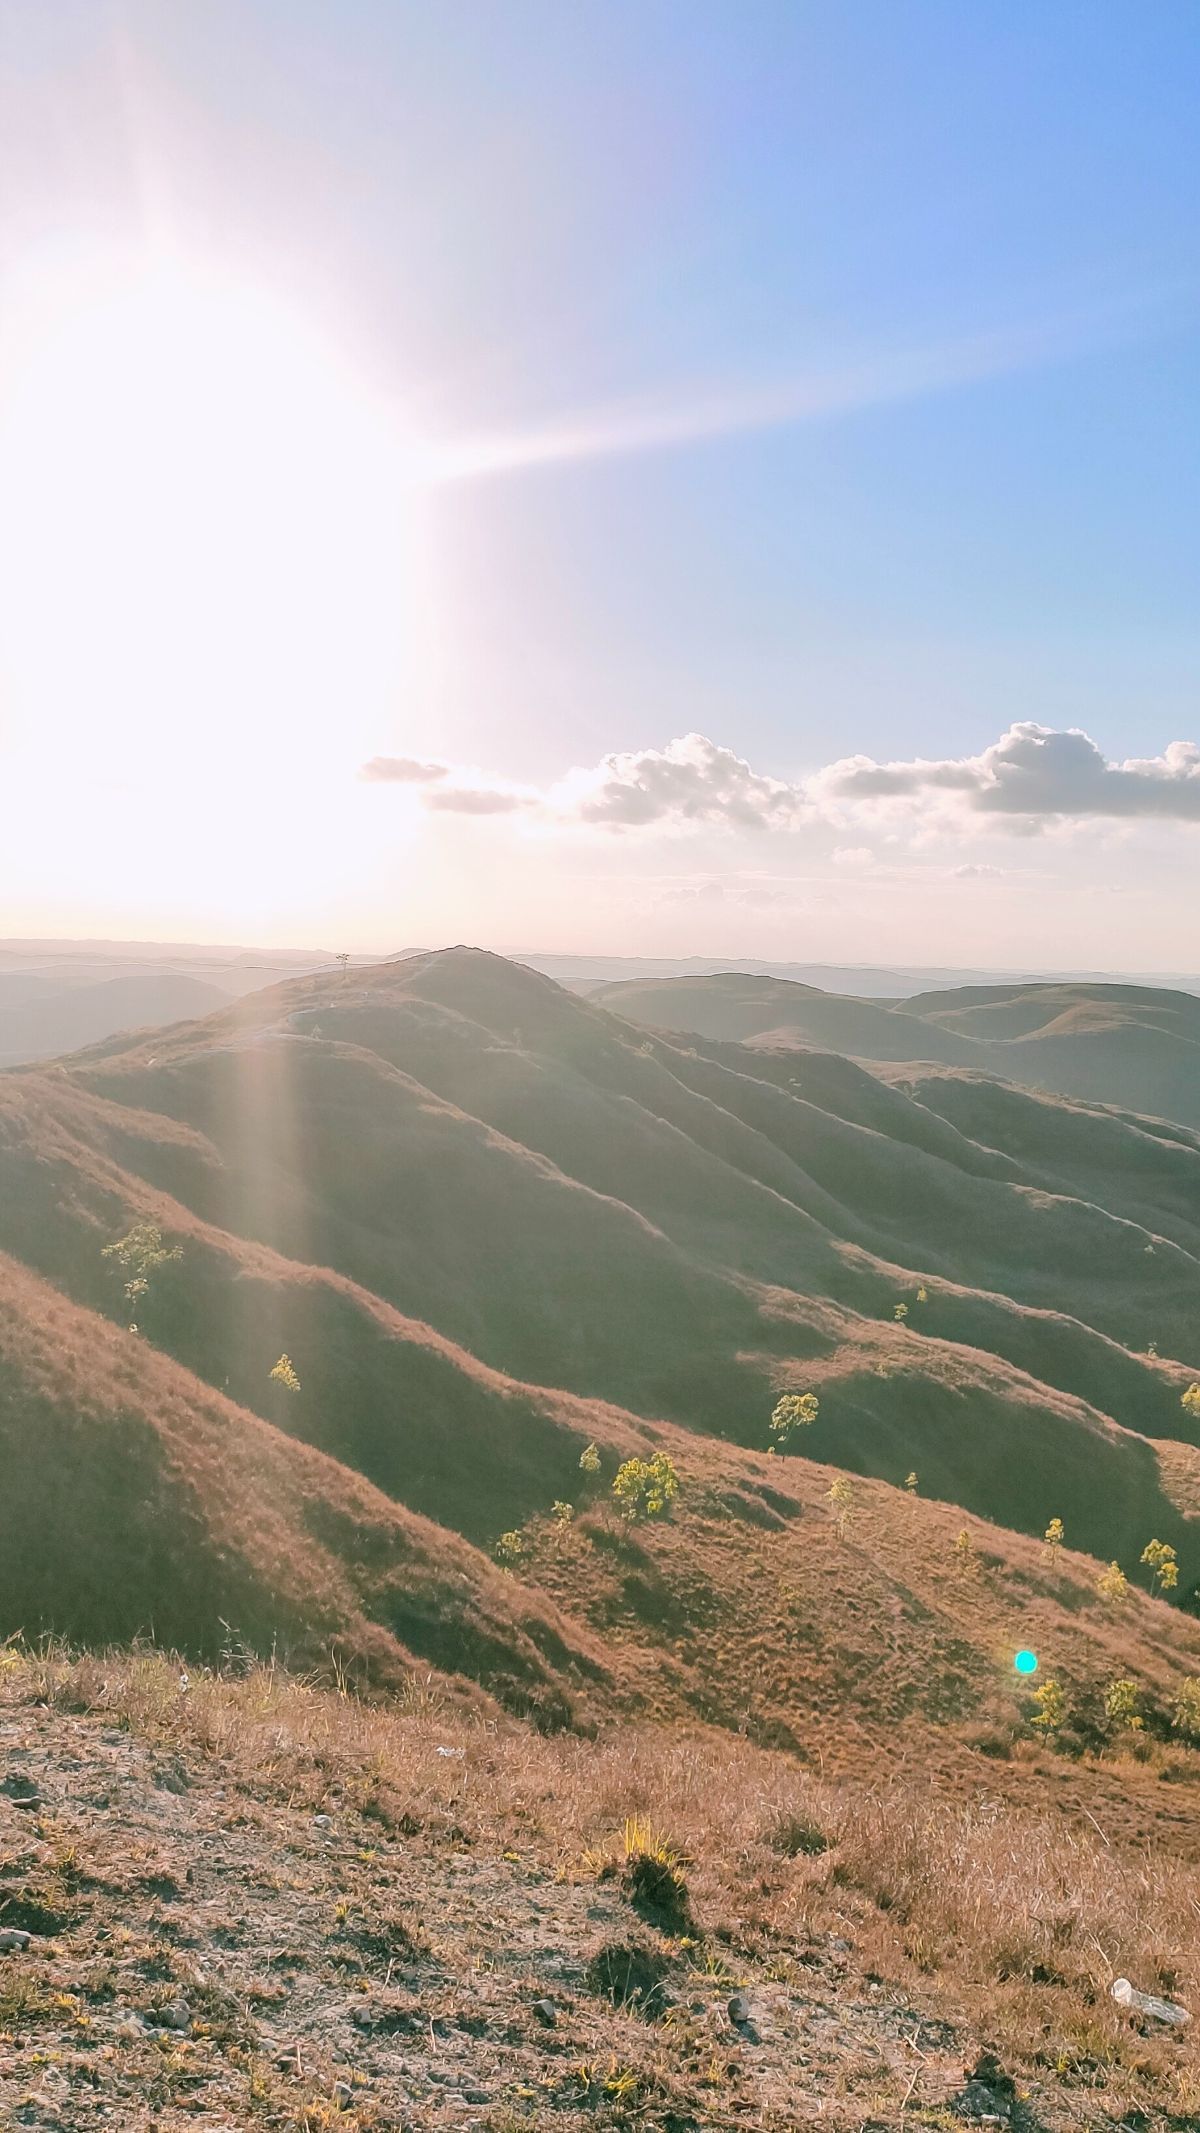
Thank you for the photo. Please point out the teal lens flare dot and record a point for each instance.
(1026, 1662)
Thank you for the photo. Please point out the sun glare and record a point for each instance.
(203, 525)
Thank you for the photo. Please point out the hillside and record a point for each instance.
(1133, 1046)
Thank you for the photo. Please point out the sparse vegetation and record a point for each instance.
(1190, 1402)
(1054, 1536)
(1159, 1557)
(284, 1373)
(1113, 1585)
(1122, 1706)
(1051, 1705)
(645, 1488)
(589, 1460)
(796, 1410)
(140, 1253)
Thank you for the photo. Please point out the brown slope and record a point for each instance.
(137, 1500)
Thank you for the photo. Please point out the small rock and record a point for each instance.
(322, 1821)
(288, 2061)
(740, 2011)
(177, 2016)
(343, 2095)
(21, 1791)
(12, 1941)
(546, 2012)
(476, 2095)
(839, 1946)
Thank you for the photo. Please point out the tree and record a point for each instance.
(510, 1548)
(1191, 1402)
(900, 1312)
(562, 1513)
(964, 1549)
(796, 1410)
(284, 1373)
(840, 1494)
(910, 1483)
(1159, 1557)
(1121, 1705)
(140, 1253)
(922, 1294)
(1113, 1585)
(1185, 1709)
(646, 1488)
(589, 1460)
(1053, 1536)
(1051, 1706)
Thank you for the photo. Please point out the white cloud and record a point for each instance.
(401, 770)
(690, 781)
(1031, 774)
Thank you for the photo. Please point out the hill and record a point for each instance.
(1134, 1046)
(450, 1166)
(38, 1020)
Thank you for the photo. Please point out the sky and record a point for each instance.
(659, 476)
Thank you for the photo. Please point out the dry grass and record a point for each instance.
(1008, 1918)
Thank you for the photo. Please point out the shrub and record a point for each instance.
(1053, 1535)
(646, 1488)
(1191, 1401)
(1159, 1556)
(589, 1460)
(1051, 1706)
(284, 1373)
(1185, 1709)
(511, 1548)
(1121, 1705)
(796, 1410)
(140, 1253)
(1113, 1585)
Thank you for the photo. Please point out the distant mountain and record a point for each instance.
(41, 1021)
(1130, 1045)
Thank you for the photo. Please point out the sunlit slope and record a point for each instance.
(139, 1500)
(1128, 1045)
(449, 1171)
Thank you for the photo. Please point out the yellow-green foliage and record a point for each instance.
(1185, 1709)
(1053, 1535)
(1191, 1401)
(645, 1488)
(562, 1513)
(1121, 1704)
(1113, 1585)
(1159, 1556)
(589, 1460)
(284, 1373)
(900, 1312)
(796, 1410)
(510, 1548)
(1051, 1706)
(964, 1549)
(139, 1253)
(910, 1483)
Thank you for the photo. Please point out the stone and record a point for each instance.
(177, 2016)
(12, 1940)
(546, 2012)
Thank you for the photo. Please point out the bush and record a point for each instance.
(646, 1488)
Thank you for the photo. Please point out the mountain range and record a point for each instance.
(492, 1223)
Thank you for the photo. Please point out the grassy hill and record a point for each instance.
(1128, 1045)
(448, 1176)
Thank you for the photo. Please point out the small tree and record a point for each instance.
(562, 1513)
(1051, 1706)
(510, 1548)
(1113, 1585)
(1185, 1709)
(796, 1410)
(284, 1373)
(1121, 1705)
(922, 1294)
(646, 1488)
(840, 1495)
(964, 1549)
(1191, 1402)
(139, 1254)
(1159, 1557)
(900, 1312)
(910, 1483)
(589, 1460)
(1053, 1536)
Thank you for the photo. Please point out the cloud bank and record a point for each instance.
(1033, 776)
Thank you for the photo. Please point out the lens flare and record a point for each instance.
(1025, 1662)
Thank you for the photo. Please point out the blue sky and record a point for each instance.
(818, 379)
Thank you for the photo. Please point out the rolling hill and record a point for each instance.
(1129, 1045)
(491, 1222)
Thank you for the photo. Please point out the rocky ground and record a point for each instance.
(183, 1946)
